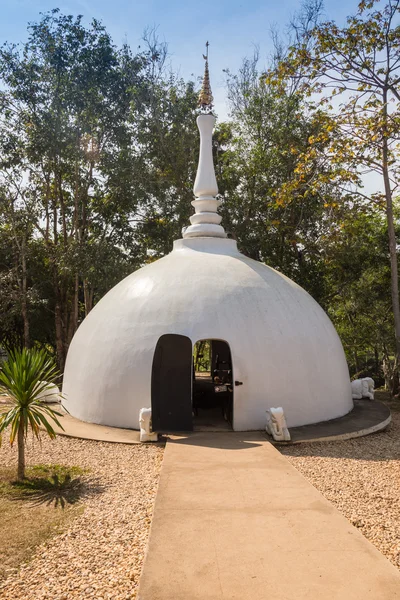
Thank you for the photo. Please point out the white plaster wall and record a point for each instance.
(284, 348)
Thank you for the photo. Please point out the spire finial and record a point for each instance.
(205, 97)
(206, 220)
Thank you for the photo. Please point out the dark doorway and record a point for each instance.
(212, 385)
(171, 384)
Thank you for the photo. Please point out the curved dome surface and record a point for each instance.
(284, 348)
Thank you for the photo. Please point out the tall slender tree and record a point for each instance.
(354, 72)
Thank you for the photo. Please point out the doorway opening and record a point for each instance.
(212, 395)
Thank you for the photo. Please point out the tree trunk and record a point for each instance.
(88, 296)
(59, 336)
(386, 372)
(73, 320)
(21, 450)
(376, 360)
(394, 272)
(58, 317)
(24, 299)
(356, 361)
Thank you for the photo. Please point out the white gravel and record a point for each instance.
(361, 477)
(101, 554)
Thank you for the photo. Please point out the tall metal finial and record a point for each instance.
(205, 97)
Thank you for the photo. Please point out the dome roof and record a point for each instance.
(284, 348)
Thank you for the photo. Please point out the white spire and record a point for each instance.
(206, 221)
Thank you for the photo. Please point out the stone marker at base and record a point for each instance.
(146, 433)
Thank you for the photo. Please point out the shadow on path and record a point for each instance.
(228, 440)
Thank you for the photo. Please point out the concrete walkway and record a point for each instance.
(234, 520)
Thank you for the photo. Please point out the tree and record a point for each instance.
(98, 152)
(256, 155)
(23, 378)
(16, 234)
(357, 290)
(360, 64)
(168, 151)
(66, 141)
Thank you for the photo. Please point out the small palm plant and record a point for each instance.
(25, 375)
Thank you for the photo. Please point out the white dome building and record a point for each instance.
(271, 343)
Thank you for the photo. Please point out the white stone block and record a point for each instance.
(146, 433)
(50, 394)
(276, 425)
(363, 388)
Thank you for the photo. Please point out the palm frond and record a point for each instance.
(7, 418)
(40, 418)
(34, 425)
(14, 426)
(24, 377)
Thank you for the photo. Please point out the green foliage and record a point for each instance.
(23, 378)
(350, 75)
(257, 154)
(169, 140)
(357, 280)
(66, 144)
(202, 356)
(97, 155)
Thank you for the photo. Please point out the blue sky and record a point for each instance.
(233, 27)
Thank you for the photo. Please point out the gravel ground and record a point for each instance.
(361, 477)
(101, 554)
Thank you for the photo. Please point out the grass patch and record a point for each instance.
(37, 508)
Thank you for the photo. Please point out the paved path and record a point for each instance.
(234, 520)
